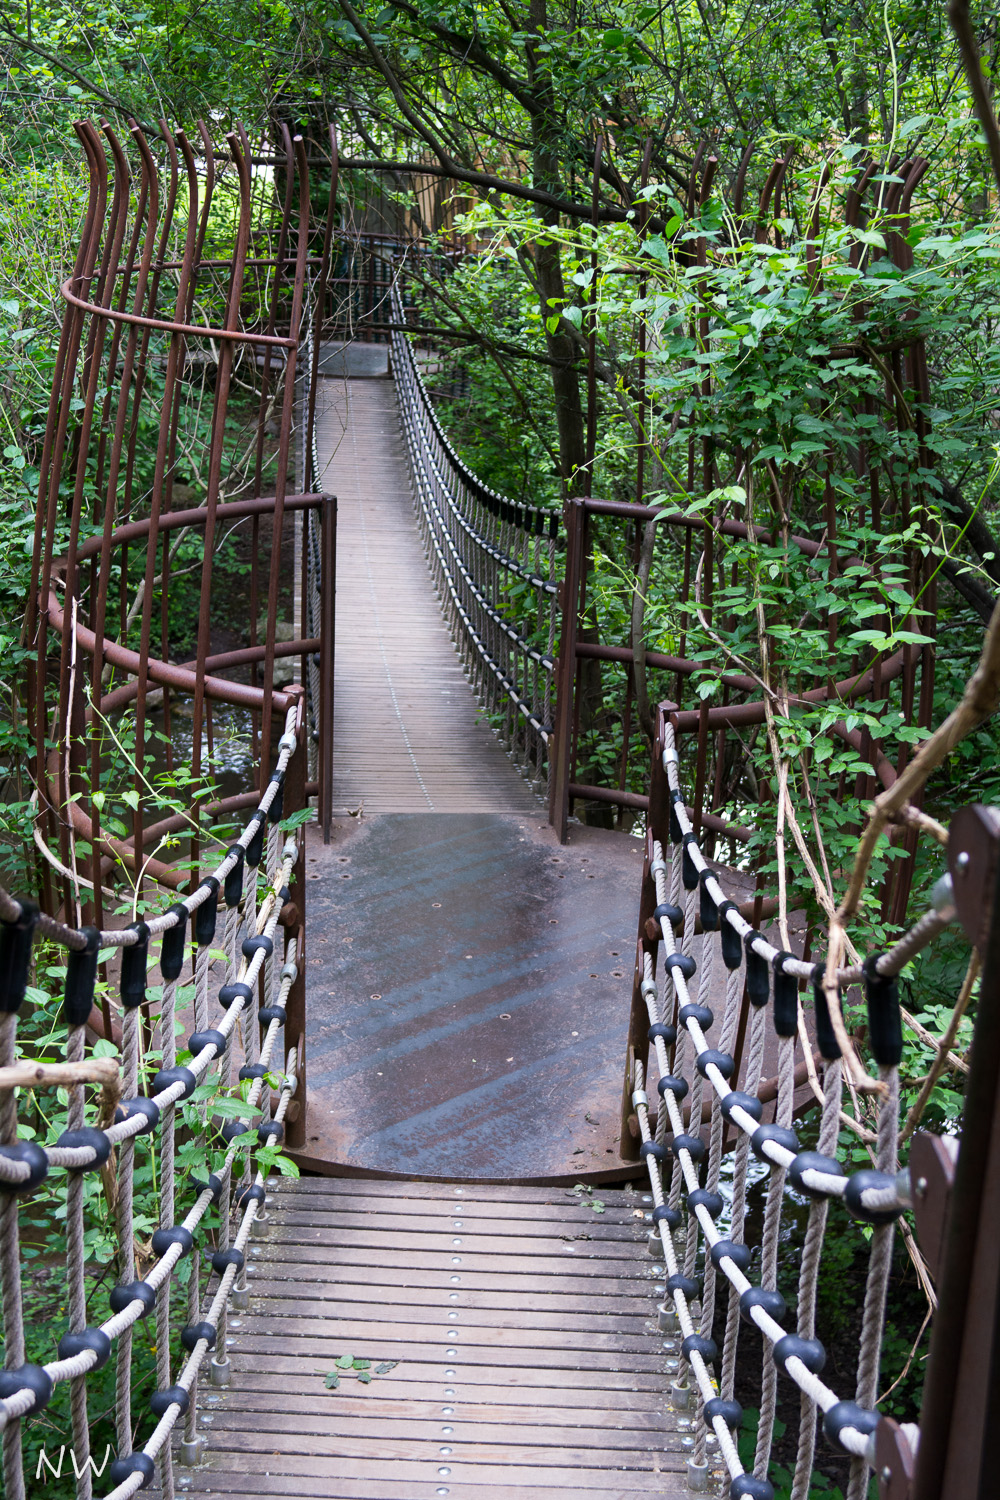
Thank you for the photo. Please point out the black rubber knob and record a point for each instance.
(670, 1084)
(697, 1343)
(195, 1332)
(132, 1291)
(81, 976)
(885, 1026)
(786, 996)
(206, 915)
(747, 1102)
(684, 1284)
(731, 1412)
(692, 1144)
(93, 1139)
(38, 1167)
(779, 1133)
(664, 1213)
(160, 1402)
(758, 974)
(16, 939)
(707, 908)
(747, 1487)
(134, 1463)
(233, 888)
(132, 984)
(261, 943)
(27, 1377)
(224, 1258)
(704, 1017)
(809, 1351)
(88, 1340)
(683, 962)
(731, 942)
(667, 1034)
(176, 1234)
(199, 1040)
(173, 943)
(861, 1182)
(214, 1185)
(813, 1161)
(713, 1058)
(738, 1253)
(826, 1037)
(848, 1414)
(772, 1302)
(231, 992)
(167, 1077)
(145, 1109)
(703, 1198)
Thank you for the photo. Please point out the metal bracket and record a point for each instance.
(973, 856)
(895, 1463)
(932, 1174)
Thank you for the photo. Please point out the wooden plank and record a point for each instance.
(470, 1330)
(406, 1473)
(337, 1486)
(395, 1307)
(511, 1352)
(299, 1385)
(420, 1370)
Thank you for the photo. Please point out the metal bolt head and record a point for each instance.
(920, 1187)
(886, 1473)
(963, 861)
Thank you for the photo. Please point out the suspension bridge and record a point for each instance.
(510, 1262)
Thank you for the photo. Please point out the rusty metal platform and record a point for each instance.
(467, 997)
(520, 1326)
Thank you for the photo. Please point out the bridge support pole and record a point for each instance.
(961, 1404)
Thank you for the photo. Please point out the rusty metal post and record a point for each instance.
(293, 921)
(566, 670)
(327, 627)
(961, 1403)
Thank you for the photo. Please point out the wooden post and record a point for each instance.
(961, 1404)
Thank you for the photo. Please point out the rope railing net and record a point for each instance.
(242, 939)
(708, 1281)
(494, 565)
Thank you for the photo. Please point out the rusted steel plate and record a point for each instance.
(467, 996)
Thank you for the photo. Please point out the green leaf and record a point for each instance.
(345, 1362)
(386, 1366)
(331, 1380)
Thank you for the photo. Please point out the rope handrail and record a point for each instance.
(687, 1063)
(257, 967)
(485, 552)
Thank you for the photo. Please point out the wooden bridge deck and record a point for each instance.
(409, 736)
(520, 1325)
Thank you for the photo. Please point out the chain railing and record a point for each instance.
(495, 565)
(707, 1070)
(259, 956)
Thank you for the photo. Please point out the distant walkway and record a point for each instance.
(408, 737)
